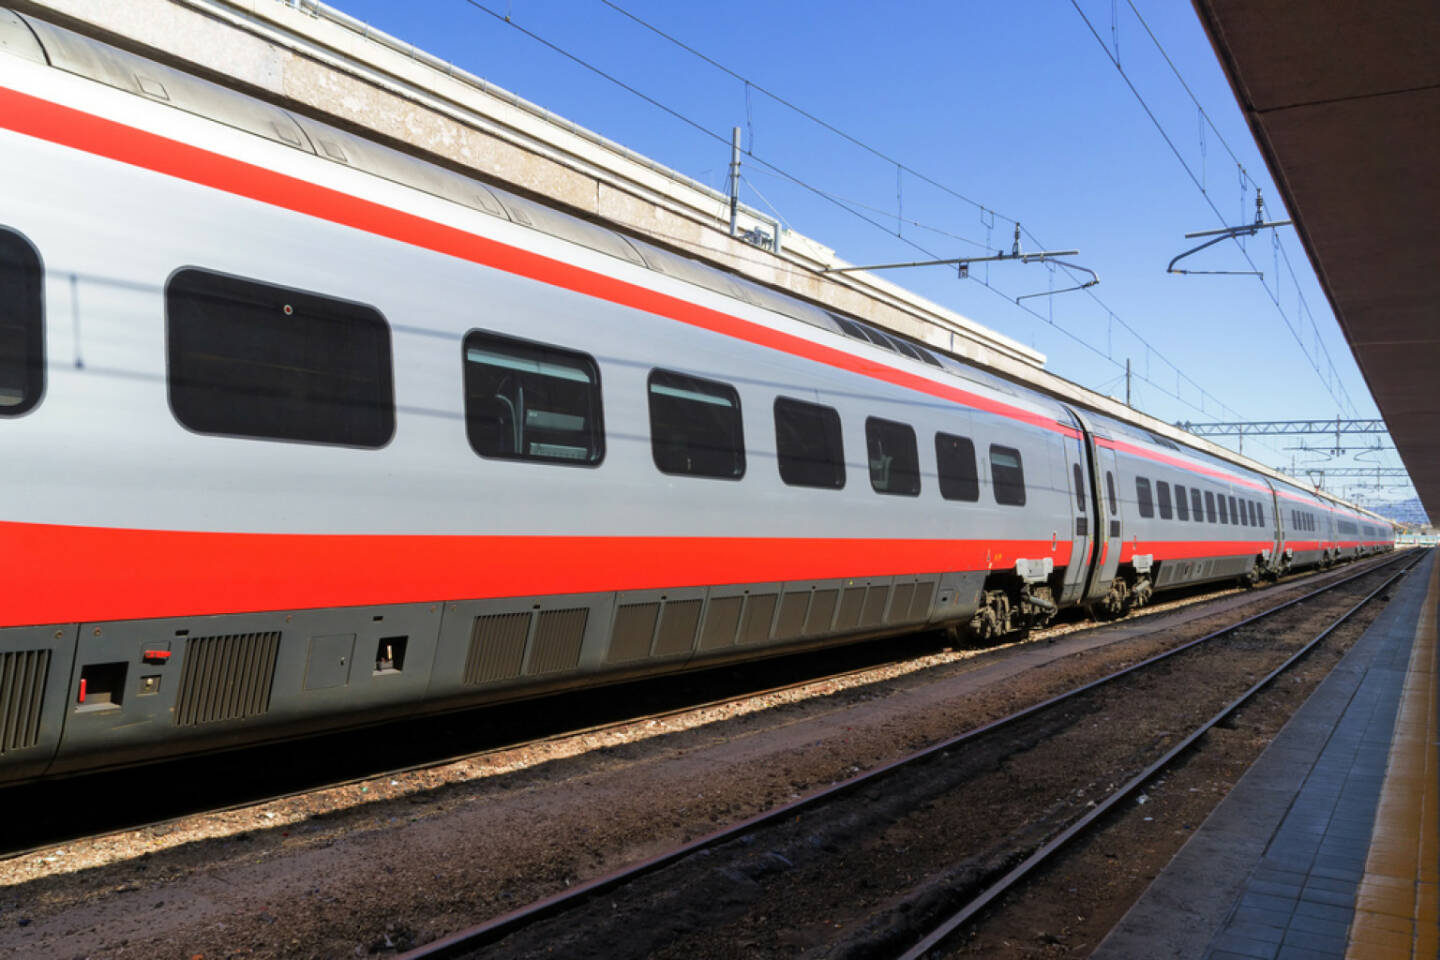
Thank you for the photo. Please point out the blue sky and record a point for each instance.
(1015, 106)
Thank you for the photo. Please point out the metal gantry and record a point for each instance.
(1277, 428)
(1363, 473)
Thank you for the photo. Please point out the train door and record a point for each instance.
(1276, 523)
(1101, 516)
(1082, 509)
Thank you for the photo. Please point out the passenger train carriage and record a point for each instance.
(302, 432)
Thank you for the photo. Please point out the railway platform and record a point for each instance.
(1329, 846)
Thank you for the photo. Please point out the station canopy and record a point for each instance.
(1344, 101)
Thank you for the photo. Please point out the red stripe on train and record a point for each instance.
(73, 574)
(73, 128)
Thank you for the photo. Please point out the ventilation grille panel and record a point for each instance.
(721, 619)
(900, 603)
(874, 611)
(759, 611)
(792, 615)
(497, 647)
(850, 603)
(677, 627)
(226, 677)
(634, 627)
(558, 637)
(920, 606)
(822, 612)
(22, 688)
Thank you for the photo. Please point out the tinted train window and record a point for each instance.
(1196, 506)
(808, 446)
(1254, 515)
(531, 401)
(22, 326)
(1110, 493)
(1224, 517)
(1142, 497)
(894, 459)
(1260, 514)
(1209, 506)
(1079, 488)
(695, 426)
(1182, 506)
(1007, 473)
(1237, 516)
(252, 359)
(1162, 494)
(955, 462)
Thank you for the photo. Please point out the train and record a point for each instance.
(302, 432)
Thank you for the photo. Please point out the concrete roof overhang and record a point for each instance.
(1344, 101)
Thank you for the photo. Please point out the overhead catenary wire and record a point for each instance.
(1329, 382)
(1282, 251)
(752, 85)
(985, 211)
(580, 61)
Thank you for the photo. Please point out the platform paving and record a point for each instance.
(1274, 872)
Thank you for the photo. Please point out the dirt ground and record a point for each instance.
(869, 873)
(377, 867)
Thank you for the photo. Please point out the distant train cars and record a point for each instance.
(301, 432)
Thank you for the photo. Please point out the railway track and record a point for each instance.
(62, 812)
(829, 831)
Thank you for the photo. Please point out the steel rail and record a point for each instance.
(457, 944)
(957, 920)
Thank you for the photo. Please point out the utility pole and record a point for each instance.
(1127, 381)
(735, 178)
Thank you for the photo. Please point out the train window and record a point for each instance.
(1209, 506)
(1007, 474)
(1142, 497)
(808, 445)
(251, 359)
(955, 462)
(1110, 493)
(1197, 507)
(1237, 516)
(1079, 487)
(1162, 495)
(22, 326)
(1224, 517)
(695, 427)
(1182, 506)
(894, 460)
(1254, 516)
(1260, 514)
(531, 401)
